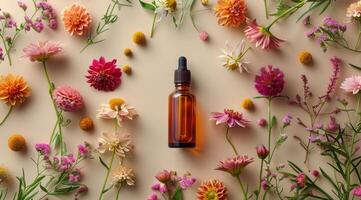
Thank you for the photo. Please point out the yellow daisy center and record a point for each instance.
(116, 102)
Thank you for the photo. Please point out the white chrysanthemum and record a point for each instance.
(233, 56)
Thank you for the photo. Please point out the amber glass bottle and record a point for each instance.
(182, 109)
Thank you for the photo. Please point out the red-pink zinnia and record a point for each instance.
(103, 75)
(42, 51)
(261, 36)
(231, 117)
(68, 99)
(234, 165)
(270, 81)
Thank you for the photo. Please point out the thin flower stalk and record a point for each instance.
(110, 17)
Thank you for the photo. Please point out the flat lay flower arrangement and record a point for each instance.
(322, 125)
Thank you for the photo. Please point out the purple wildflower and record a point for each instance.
(75, 176)
(84, 151)
(22, 5)
(43, 149)
(163, 189)
(38, 25)
(287, 120)
(156, 186)
(186, 182)
(312, 32)
(264, 184)
(332, 126)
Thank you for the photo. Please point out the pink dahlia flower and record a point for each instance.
(68, 99)
(42, 51)
(270, 81)
(234, 165)
(231, 117)
(103, 75)
(352, 84)
(357, 191)
(261, 36)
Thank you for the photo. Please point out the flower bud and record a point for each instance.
(262, 151)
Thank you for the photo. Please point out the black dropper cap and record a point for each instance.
(182, 74)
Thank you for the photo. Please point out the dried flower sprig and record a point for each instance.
(118, 143)
(340, 145)
(10, 30)
(331, 32)
(171, 186)
(315, 109)
(55, 175)
(109, 18)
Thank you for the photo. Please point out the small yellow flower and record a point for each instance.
(139, 38)
(247, 104)
(116, 102)
(16, 142)
(305, 57)
(204, 2)
(171, 4)
(128, 52)
(127, 69)
(4, 176)
(86, 124)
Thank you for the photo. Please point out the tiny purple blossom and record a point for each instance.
(163, 189)
(43, 149)
(156, 186)
(186, 182)
(22, 5)
(153, 197)
(287, 120)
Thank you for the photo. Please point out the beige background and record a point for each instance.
(148, 88)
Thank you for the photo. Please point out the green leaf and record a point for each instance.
(103, 163)
(355, 66)
(43, 188)
(147, 6)
(178, 195)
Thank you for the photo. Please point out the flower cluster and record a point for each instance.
(170, 184)
(43, 13)
(330, 32)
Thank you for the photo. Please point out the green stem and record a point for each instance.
(59, 117)
(107, 176)
(346, 47)
(260, 179)
(265, 8)
(285, 13)
(269, 128)
(153, 25)
(7, 115)
(118, 192)
(242, 188)
(230, 142)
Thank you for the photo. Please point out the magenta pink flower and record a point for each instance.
(315, 173)
(261, 36)
(301, 180)
(357, 191)
(42, 51)
(231, 117)
(352, 84)
(234, 165)
(68, 99)
(270, 81)
(336, 68)
(103, 75)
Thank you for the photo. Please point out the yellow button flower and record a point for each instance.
(16, 142)
(247, 104)
(305, 58)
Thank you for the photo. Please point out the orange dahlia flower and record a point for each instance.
(76, 20)
(231, 13)
(210, 190)
(13, 89)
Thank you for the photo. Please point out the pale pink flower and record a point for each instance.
(42, 51)
(234, 165)
(203, 36)
(120, 113)
(352, 84)
(231, 117)
(261, 36)
(120, 143)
